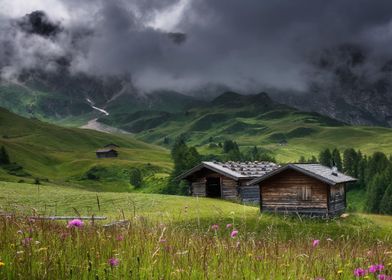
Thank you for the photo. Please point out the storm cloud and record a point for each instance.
(185, 44)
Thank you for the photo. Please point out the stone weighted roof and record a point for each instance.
(235, 170)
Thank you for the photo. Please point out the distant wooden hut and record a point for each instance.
(227, 180)
(306, 189)
(106, 153)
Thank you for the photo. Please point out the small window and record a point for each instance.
(305, 193)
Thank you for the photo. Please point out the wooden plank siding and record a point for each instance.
(229, 187)
(198, 187)
(294, 192)
(337, 199)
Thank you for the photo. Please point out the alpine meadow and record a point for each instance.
(195, 139)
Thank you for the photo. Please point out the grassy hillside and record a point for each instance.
(255, 120)
(66, 154)
(172, 237)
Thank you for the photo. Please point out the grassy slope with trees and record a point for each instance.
(255, 120)
(67, 155)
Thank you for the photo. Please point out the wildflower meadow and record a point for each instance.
(36, 249)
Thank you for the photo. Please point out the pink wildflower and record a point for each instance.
(376, 268)
(316, 242)
(359, 272)
(229, 225)
(215, 227)
(372, 268)
(384, 277)
(113, 262)
(76, 223)
(380, 267)
(120, 238)
(234, 233)
(162, 240)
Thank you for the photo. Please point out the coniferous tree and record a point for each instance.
(377, 188)
(184, 158)
(4, 158)
(350, 162)
(325, 157)
(386, 201)
(337, 159)
(135, 177)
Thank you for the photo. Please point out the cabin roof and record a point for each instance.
(105, 150)
(234, 170)
(111, 145)
(317, 171)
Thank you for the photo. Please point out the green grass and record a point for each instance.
(170, 237)
(306, 133)
(66, 154)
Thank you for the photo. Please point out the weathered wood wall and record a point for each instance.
(198, 187)
(337, 199)
(283, 193)
(228, 186)
(249, 194)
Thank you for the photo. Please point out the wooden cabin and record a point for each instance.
(227, 180)
(305, 189)
(106, 153)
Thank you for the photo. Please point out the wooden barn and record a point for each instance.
(106, 153)
(227, 180)
(305, 189)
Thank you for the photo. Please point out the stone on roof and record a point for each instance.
(318, 171)
(235, 170)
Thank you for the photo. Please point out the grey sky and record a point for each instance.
(246, 45)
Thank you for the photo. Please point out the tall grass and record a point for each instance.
(149, 249)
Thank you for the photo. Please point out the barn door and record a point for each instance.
(213, 187)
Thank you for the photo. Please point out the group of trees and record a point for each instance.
(374, 174)
(184, 158)
(4, 157)
(232, 152)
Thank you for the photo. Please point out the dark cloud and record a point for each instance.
(38, 23)
(246, 45)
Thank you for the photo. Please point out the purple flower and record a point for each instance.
(359, 272)
(75, 223)
(376, 268)
(113, 262)
(383, 277)
(372, 268)
(379, 267)
(316, 242)
(215, 227)
(234, 233)
(229, 225)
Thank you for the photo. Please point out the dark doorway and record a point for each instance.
(213, 188)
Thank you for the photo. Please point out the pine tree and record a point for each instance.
(184, 158)
(377, 189)
(325, 157)
(135, 177)
(349, 162)
(337, 159)
(4, 158)
(386, 201)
